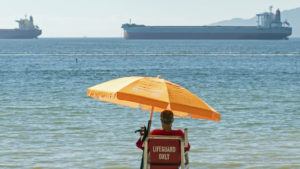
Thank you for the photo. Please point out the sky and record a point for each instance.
(103, 18)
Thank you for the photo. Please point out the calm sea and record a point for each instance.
(47, 121)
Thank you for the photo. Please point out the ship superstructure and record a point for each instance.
(26, 30)
(269, 26)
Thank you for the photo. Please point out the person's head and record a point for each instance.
(166, 118)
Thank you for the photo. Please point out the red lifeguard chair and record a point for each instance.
(166, 152)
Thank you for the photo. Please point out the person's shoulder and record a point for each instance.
(156, 132)
(178, 132)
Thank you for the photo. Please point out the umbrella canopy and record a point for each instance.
(154, 94)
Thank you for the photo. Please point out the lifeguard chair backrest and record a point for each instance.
(164, 152)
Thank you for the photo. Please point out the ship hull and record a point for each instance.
(204, 32)
(19, 34)
(137, 35)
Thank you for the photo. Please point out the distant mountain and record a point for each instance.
(292, 16)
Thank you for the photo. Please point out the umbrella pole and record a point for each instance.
(148, 126)
(150, 121)
(145, 136)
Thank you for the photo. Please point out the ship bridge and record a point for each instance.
(269, 19)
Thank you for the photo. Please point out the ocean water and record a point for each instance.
(47, 121)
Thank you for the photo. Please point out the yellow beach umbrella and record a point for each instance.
(154, 94)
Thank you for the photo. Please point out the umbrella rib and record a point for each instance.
(167, 93)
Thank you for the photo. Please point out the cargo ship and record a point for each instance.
(26, 30)
(269, 26)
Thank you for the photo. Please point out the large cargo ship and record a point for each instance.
(269, 26)
(26, 30)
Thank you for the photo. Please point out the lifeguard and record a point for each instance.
(167, 119)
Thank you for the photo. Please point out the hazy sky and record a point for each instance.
(103, 18)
